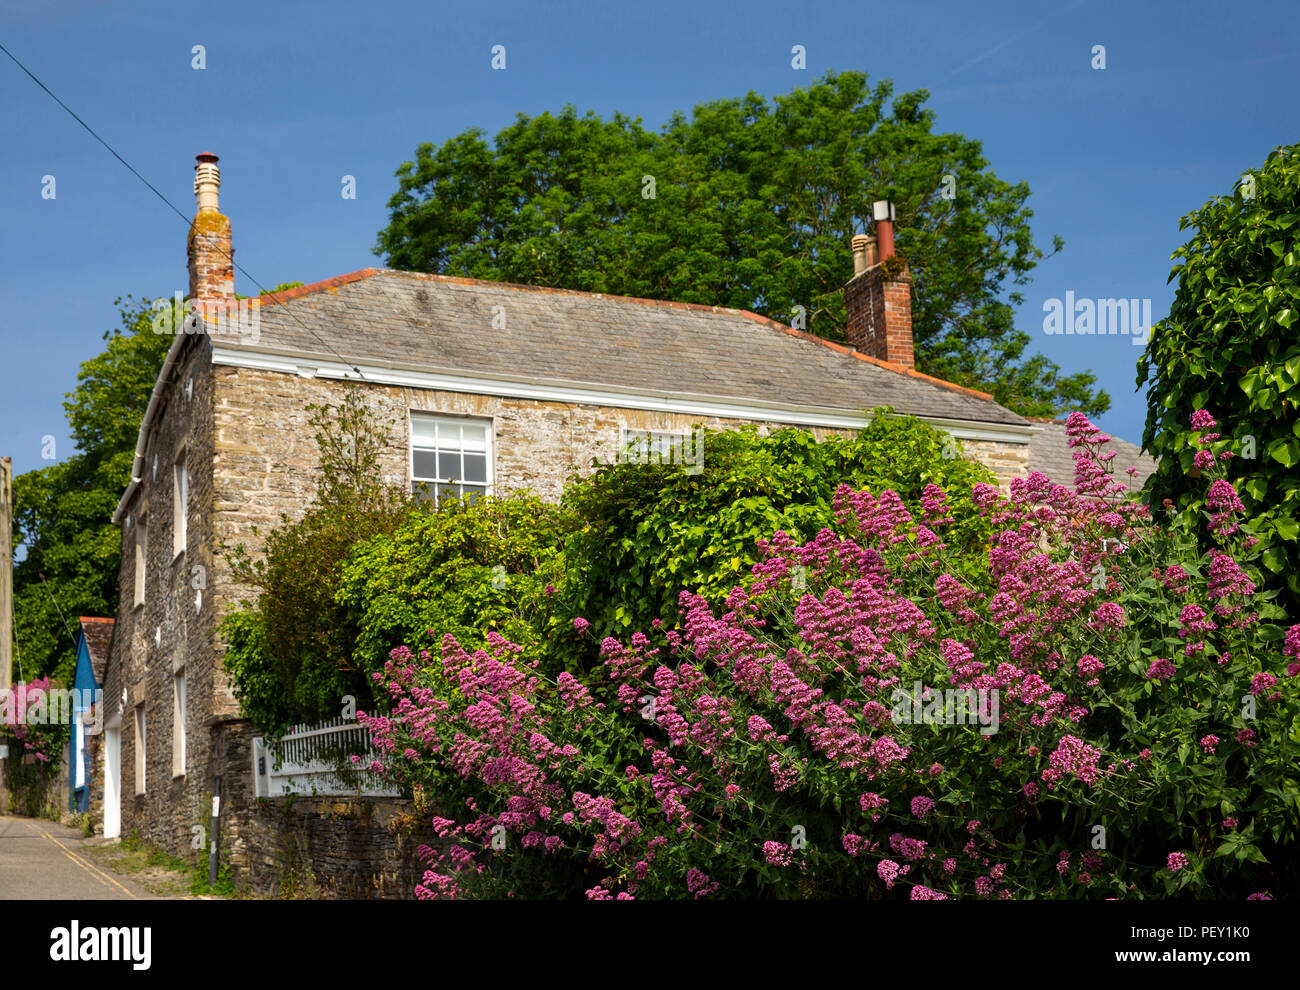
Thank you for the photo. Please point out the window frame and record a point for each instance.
(141, 734)
(487, 486)
(141, 558)
(179, 720)
(180, 504)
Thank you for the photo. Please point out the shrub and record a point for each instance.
(1143, 724)
(647, 531)
(1229, 344)
(464, 570)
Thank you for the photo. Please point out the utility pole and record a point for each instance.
(6, 573)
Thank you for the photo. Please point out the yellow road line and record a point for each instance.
(86, 865)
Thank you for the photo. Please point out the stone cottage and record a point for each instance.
(495, 387)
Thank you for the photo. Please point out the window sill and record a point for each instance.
(178, 555)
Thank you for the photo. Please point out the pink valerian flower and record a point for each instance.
(1194, 620)
(1075, 756)
(872, 800)
(1261, 682)
(933, 505)
(1202, 421)
(921, 806)
(1230, 823)
(1175, 578)
(1031, 790)
(912, 849)
(1208, 743)
(1247, 738)
(698, 883)
(1089, 667)
(1108, 615)
(1161, 670)
(920, 893)
(1227, 579)
(1291, 648)
(1222, 502)
(1204, 460)
(732, 791)
(759, 729)
(1145, 754)
(1259, 895)
(1176, 862)
(853, 844)
(782, 777)
(581, 624)
(949, 865)
(777, 853)
(573, 692)
(936, 769)
(888, 871)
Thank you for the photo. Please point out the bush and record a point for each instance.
(647, 531)
(465, 570)
(1229, 344)
(1129, 729)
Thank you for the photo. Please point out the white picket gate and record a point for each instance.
(307, 758)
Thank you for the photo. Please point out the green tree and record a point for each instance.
(63, 513)
(1229, 346)
(747, 204)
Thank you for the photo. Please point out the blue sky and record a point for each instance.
(296, 95)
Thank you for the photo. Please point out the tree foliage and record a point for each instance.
(1229, 343)
(752, 205)
(63, 513)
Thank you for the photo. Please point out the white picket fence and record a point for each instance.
(306, 761)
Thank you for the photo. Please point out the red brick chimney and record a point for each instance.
(878, 299)
(212, 265)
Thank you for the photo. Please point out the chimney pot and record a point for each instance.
(864, 253)
(883, 213)
(211, 257)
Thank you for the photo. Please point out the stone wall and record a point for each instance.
(1006, 460)
(173, 629)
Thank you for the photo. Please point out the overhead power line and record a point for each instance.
(231, 257)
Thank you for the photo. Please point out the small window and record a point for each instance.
(180, 505)
(654, 447)
(178, 724)
(141, 557)
(450, 457)
(139, 749)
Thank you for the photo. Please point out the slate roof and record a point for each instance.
(99, 635)
(443, 324)
(1051, 453)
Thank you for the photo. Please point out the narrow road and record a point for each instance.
(40, 860)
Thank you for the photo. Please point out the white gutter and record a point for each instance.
(137, 465)
(626, 397)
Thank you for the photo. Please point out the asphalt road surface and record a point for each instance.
(40, 860)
